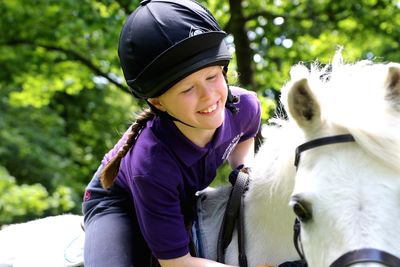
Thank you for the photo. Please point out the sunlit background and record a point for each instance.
(64, 103)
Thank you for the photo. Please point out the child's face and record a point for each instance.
(198, 100)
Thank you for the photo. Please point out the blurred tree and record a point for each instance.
(63, 100)
(24, 202)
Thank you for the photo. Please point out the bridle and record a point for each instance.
(351, 257)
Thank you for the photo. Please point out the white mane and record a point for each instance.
(275, 159)
(373, 121)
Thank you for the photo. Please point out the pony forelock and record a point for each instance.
(351, 97)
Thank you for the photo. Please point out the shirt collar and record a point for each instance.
(185, 149)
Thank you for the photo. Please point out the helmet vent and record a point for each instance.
(196, 30)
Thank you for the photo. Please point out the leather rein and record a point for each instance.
(352, 257)
(234, 215)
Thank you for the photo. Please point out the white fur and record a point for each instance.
(268, 218)
(38, 243)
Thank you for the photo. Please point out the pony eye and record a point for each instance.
(302, 212)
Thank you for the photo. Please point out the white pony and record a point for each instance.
(43, 243)
(345, 190)
(347, 195)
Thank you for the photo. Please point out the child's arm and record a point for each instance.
(242, 154)
(189, 261)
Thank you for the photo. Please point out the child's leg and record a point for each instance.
(108, 239)
(112, 234)
(113, 238)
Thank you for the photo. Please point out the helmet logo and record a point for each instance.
(196, 30)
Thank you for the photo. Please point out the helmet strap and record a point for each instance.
(166, 115)
(230, 105)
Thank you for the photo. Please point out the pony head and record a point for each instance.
(347, 194)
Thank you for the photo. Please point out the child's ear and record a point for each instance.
(156, 103)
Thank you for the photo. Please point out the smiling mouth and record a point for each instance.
(209, 109)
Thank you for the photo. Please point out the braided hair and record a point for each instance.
(111, 170)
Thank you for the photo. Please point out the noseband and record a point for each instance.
(351, 257)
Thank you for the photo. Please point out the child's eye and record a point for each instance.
(187, 90)
(212, 77)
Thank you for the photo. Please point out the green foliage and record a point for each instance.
(22, 202)
(63, 102)
(222, 175)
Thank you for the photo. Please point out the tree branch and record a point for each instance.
(74, 56)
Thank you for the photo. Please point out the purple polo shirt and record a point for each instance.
(164, 170)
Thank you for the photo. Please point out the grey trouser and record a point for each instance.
(112, 234)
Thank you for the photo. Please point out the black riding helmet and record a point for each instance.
(163, 41)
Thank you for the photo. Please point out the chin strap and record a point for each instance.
(230, 105)
(165, 115)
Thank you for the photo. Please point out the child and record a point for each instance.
(140, 203)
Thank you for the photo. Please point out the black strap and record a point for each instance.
(231, 214)
(298, 263)
(297, 244)
(301, 148)
(366, 255)
(321, 142)
(241, 235)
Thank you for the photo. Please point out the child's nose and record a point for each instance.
(206, 91)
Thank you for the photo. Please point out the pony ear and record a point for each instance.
(303, 106)
(393, 84)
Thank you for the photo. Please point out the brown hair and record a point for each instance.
(110, 171)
